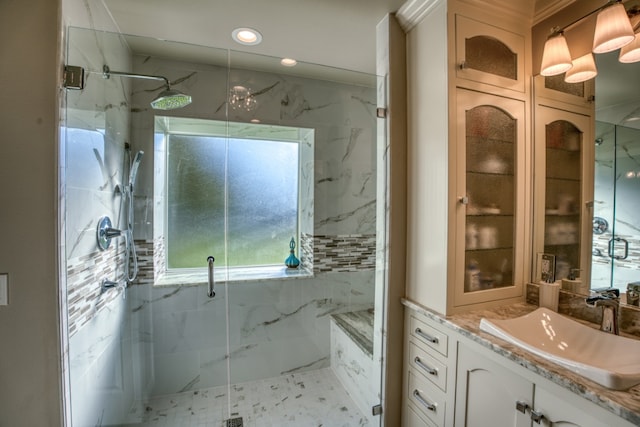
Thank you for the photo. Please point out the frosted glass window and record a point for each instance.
(490, 55)
(253, 183)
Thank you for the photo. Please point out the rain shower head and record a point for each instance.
(168, 99)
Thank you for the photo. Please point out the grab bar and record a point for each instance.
(211, 293)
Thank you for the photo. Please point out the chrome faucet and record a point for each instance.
(609, 300)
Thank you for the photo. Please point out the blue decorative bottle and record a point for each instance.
(292, 261)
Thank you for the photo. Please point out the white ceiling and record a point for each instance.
(335, 33)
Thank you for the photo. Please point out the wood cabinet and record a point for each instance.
(564, 160)
(490, 392)
(491, 193)
(469, 158)
(488, 54)
(429, 374)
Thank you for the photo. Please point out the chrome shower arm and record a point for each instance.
(106, 73)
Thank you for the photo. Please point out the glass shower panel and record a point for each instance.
(301, 166)
(625, 246)
(616, 239)
(604, 204)
(104, 368)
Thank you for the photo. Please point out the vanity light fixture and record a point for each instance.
(246, 36)
(613, 30)
(631, 52)
(583, 69)
(556, 58)
(288, 62)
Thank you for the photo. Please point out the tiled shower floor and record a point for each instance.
(307, 399)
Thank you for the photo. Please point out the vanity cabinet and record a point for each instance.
(563, 188)
(429, 374)
(451, 380)
(491, 393)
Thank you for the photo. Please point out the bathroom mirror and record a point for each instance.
(616, 249)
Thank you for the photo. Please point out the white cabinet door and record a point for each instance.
(556, 411)
(487, 394)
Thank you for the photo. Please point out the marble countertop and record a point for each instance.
(625, 404)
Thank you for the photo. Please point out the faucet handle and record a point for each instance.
(603, 294)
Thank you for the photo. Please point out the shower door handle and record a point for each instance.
(612, 248)
(211, 292)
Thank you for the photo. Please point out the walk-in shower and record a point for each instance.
(276, 346)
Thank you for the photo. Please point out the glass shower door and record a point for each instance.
(616, 225)
(302, 182)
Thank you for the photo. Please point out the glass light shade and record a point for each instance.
(613, 29)
(584, 68)
(556, 58)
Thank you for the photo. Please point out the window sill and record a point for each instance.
(199, 276)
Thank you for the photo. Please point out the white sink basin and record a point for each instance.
(610, 360)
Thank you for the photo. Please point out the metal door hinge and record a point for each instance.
(376, 410)
(73, 77)
(381, 113)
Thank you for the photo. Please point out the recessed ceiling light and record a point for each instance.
(247, 36)
(288, 62)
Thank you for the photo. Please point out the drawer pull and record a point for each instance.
(426, 336)
(427, 368)
(423, 401)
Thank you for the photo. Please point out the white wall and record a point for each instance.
(30, 387)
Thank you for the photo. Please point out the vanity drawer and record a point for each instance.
(428, 335)
(427, 365)
(426, 398)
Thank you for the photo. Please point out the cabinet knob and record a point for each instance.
(462, 65)
(464, 200)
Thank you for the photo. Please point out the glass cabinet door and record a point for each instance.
(488, 54)
(491, 149)
(564, 190)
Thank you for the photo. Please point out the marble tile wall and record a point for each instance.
(355, 370)
(275, 326)
(103, 376)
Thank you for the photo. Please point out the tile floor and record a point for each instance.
(307, 399)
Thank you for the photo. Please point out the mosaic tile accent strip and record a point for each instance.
(159, 256)
(338, 253)
(344, 253)
(145, 249)
(84, 277)
(306, 251)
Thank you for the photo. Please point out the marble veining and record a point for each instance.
(625, 404)
(313, 398)
(358, 325)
